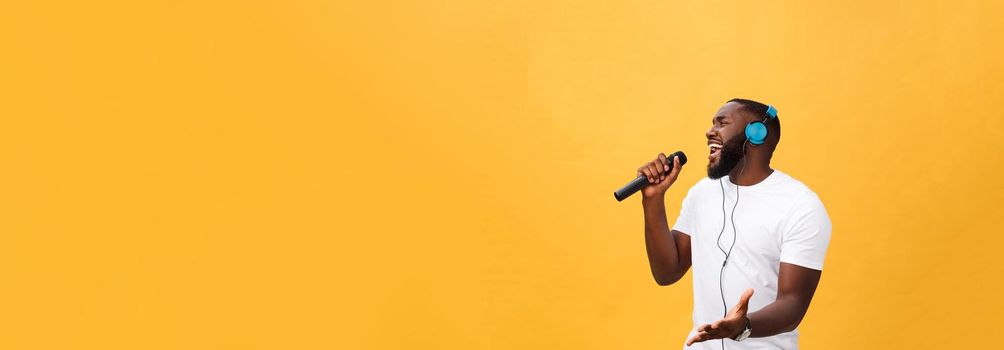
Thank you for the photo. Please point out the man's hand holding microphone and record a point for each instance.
(660, 173)
(655, 177)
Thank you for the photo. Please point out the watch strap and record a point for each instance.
(747, 329)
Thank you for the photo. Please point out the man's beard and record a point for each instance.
(731, 154)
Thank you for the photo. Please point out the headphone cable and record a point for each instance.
(721, 272)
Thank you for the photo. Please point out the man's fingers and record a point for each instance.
(744, 300)
(708, 331)
(702, 336)
(656, 174)
(676, 168)
(660, 169)
(644, 171)
(695, 339)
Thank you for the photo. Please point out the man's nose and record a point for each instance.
(710, 133)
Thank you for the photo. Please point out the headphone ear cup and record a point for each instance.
(756, 132)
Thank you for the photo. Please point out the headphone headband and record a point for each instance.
(772, 112)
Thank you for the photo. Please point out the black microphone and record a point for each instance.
(641, 180)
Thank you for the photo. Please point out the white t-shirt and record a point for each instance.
(776, 220)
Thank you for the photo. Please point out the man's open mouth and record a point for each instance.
(715, 149)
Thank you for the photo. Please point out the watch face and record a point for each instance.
(742, 336)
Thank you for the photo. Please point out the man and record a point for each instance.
(773, 230)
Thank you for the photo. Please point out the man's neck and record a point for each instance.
(750, 174)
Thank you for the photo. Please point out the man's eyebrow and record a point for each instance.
(717, 117)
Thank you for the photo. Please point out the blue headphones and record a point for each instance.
(756, 131)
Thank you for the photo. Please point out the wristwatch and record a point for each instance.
(745, 333)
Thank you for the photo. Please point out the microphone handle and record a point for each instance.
(642, 181)
(632, 187)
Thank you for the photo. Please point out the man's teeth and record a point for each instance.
(714, 147)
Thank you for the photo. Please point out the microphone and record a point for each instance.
(642, 181)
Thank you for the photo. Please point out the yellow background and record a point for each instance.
(438, 174)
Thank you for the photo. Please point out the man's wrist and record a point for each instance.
(658, 198)
(742, 329)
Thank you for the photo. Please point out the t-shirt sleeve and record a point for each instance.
(806, 236)
(685, 222)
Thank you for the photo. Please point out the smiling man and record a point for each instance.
(755, 236)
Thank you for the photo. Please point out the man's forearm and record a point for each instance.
(783, 315)
(663, 256)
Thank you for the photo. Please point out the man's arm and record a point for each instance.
(668, 251)
(796, 285)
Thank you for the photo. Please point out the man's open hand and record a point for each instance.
(728, 327)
